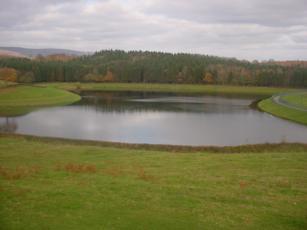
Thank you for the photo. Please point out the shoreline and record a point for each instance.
(247, 148)
(270, 106)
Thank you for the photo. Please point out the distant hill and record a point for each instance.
(8, 53)
(155, 67)
(291, 63)
(56, 57)
(44, 52)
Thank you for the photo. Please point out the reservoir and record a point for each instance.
(158, 118)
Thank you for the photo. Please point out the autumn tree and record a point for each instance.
(8, 74)
(208, 78)
(109, 77)
(27, 77)
(154, 67)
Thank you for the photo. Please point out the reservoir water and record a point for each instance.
(158, 118)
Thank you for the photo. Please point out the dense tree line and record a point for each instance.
(154, 67)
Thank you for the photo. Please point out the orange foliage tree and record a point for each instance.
(208, 78)
(109, 77)
(8, 74)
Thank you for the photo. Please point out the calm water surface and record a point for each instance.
(158, 119)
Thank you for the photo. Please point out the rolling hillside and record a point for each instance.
(26, 52)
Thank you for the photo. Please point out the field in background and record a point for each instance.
(175, 88)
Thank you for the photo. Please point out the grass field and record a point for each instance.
(16, 100)
(299, 99)
(49, 184)
(4, 84)
(176, 88)
(299, 116)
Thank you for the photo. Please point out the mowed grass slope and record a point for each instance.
(4, 84)
(175, 88)
(58, 185)
(296, 99)
(19, 99)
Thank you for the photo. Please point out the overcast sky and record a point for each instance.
(246, 29)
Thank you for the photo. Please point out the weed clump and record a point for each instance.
(77, 168)
(19, 172)
(113, 171)
(142, 175)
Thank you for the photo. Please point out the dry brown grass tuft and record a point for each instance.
(136, 171)
(19, 172)
(76, 168)
(114, 171)
(20, 191)
(243, 184)
(142, 175)
(58, 167)
(283, 183)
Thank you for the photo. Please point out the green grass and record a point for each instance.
(176, 88)
(269, 106)
(298, 99)
(4, 84)
(59, 185)
(16, 100)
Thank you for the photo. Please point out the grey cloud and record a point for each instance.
(16, 12)
(246, 29)
(262, 12)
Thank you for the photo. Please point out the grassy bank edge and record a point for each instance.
(269, 106)
(298, 99)
(21, 106)
(255, 148)
(170, 88)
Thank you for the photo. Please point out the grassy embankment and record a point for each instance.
(17, 100)
(4, 84)
(52, 184)
(296, 99)
(175, 88)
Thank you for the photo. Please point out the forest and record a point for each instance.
(152, 67)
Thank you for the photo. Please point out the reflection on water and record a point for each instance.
(123, 102)
(158, 119)
(8, 125)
